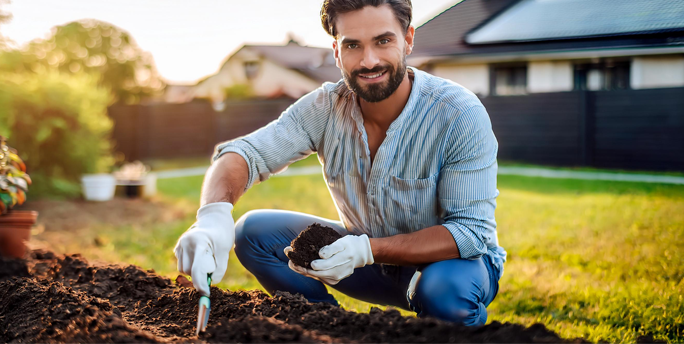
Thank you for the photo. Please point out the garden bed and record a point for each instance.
(57, 298)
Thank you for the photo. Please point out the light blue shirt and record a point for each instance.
(436, 166)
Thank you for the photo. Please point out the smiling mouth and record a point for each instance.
(373, 76)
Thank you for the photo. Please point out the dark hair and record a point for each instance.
(331, 8)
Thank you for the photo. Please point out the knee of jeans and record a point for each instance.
(446, 297)
(248, 228)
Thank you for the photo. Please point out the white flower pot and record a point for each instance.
(98, 187)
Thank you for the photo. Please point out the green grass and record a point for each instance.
(177, 163)
(601, 260)
(504, 163)
(596, 259)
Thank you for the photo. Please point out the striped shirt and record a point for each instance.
(436, 166)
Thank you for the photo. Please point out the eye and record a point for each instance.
(352, 46)
(384, 41)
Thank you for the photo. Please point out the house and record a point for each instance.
(268, 71)
(508, 47)
(595, 83)
(177, 93)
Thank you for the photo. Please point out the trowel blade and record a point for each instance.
(203, 315)
(204, 308)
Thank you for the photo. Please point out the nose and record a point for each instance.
(370, 58)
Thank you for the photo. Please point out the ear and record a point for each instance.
(409, 39)
(336, 52)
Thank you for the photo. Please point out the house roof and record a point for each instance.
(535, 20)
(316, 63)
(560, 26)
(444, 33)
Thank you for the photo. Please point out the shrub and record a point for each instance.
(59, 124)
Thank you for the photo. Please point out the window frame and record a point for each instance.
(495, 67)
(581, 70)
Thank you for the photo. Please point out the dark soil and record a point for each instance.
(56, 298)
(306, 245)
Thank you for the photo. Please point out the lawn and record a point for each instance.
(602, 260)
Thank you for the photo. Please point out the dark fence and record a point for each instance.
(186, 130)
(639, 129)
(539, 128)
(630, 129)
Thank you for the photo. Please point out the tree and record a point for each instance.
(4, 18)
(93, 46)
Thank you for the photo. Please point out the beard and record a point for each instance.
(374, 93)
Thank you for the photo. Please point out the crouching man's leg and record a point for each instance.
(457, 290)
(261, 236)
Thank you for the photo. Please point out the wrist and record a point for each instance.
(377, 248)
(369, 256)
(215, 213)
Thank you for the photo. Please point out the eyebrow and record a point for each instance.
(383, 35)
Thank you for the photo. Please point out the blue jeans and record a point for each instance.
(456, 290)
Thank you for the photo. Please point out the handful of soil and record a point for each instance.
(306, 245)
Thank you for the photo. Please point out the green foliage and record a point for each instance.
(238, 91)
(4, 18)
(59, 124)
(93, 47)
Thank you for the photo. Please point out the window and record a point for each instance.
(251, 69)
(509, 80)
(602, 76)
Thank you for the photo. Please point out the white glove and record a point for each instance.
(339, 259)
(205, 247)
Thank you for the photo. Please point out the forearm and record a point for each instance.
(225, 180)
(428, 245)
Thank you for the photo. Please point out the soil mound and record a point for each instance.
(56, 298)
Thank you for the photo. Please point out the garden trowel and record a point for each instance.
(204, 308)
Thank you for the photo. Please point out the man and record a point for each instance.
(410, 161)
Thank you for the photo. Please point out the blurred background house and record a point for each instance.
(263, 71)
(569, 82)
(507, 47)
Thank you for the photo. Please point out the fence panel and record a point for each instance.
(537, 128)
(243, 117)
(631, 129)
(180, 131)
(125, 131)
(191, 129)
(640, 129)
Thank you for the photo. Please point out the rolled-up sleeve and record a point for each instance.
(467, 185)
(295, 135)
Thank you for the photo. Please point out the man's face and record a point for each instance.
(371, 49)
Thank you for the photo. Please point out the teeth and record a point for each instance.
(371, 76)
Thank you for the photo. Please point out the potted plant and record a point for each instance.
(15, 226)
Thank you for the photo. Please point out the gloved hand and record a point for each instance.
(339, 259)
(205, 247)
